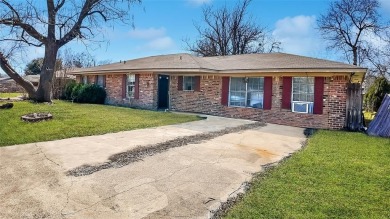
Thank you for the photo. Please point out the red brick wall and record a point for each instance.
(114, 89)
(208, 101)
(337, 95)
(147, 91)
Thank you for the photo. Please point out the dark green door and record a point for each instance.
(163, 89)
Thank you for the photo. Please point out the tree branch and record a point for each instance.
(28, 86)
(59, 5)
(26, 27)
(75, 30)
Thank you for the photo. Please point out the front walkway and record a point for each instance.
(186, 181)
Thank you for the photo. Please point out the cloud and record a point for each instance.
(152, 39)
(198, 2)
(148, 33)
(298, 25)
(298, 35)
(161, 43)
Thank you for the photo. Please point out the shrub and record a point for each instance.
(76, 93)
(59, 87)
(375, 94)
(68, 90)
(85, 93)
(92, 93)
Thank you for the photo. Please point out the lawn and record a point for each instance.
(10, 95)
(338, 175)
(71, 120)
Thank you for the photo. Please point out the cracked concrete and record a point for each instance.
(182, 182)
(137, 154)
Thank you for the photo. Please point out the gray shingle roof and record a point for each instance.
(267, 62)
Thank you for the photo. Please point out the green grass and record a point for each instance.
(10, 95)
(71, 120)
(338, 175)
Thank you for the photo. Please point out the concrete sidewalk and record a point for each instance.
(187, 181)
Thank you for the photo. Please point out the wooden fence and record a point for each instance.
(354, 117)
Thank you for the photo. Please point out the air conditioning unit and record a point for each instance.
(302, 107)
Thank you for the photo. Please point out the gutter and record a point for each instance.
(230, 71)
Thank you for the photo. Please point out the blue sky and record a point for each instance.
(161, 26)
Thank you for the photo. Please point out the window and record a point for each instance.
(130, 85)
(189, 83)
(246, 92)
(85, 79)
(303, 94)
(100, 80)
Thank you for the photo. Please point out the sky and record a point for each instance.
(160, 26)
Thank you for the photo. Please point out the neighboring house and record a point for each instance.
(276, 88)
(34, 79)
(9, 85)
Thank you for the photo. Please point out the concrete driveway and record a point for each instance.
(182, 182)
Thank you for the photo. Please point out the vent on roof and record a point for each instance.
(180, 57)
(124, 62)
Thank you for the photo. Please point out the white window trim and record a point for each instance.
(299, 102)
(127, 87)
(246, 94)
(193, 83)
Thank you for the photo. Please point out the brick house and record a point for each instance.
(276, 88)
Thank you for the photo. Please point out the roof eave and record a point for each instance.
(121, 71)
(230, 71)
(295, 70)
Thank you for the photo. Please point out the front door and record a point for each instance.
(163, 88)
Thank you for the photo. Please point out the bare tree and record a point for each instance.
(78, 59)
(230, 32)
(104, 62)
(378, 60)
(347, 22)
(52, 24)
(71, 59)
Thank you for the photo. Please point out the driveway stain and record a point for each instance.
(185, 182)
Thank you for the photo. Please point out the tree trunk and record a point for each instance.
(355, 54)
(28, 86)
(44, 92)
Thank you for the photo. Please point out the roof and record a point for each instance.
(36, 78)
(183, 62)
(31, 78)
(4, 80)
